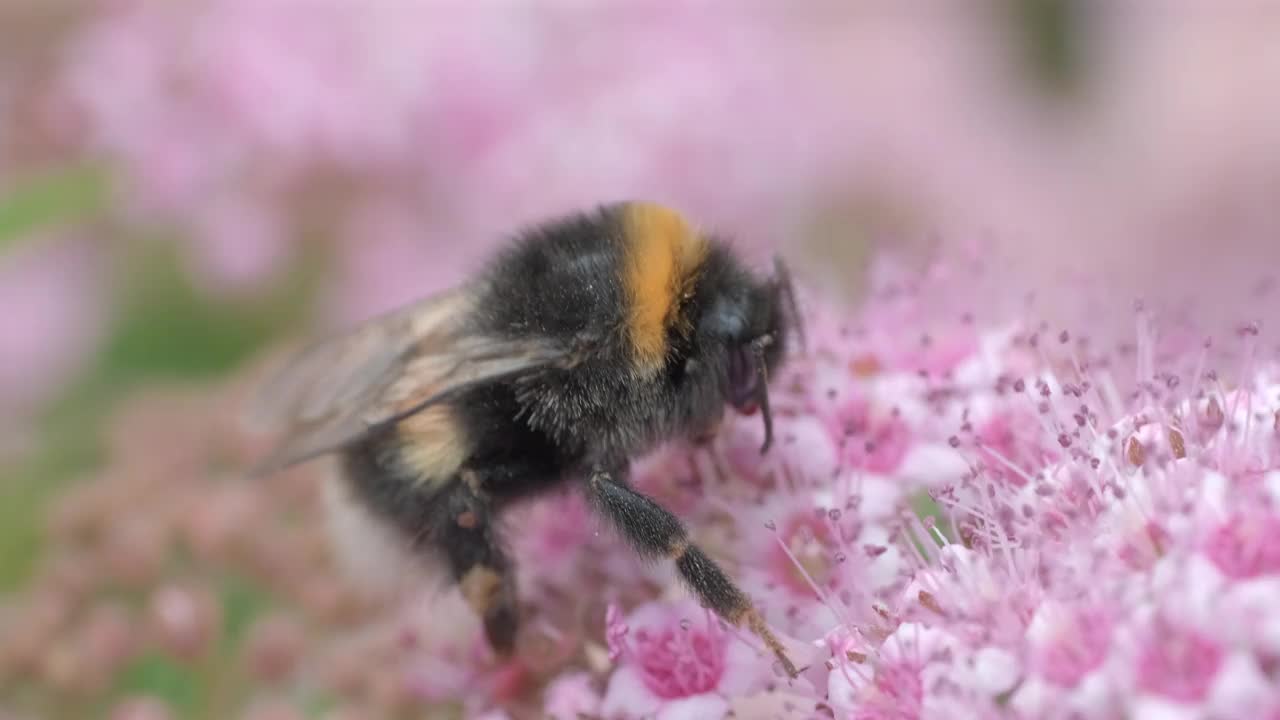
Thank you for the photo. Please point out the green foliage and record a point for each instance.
(160, 677)
(317, 705)
(167, 329)
(1049, 37)
(242, 603)
(927, 508)
(58, 197)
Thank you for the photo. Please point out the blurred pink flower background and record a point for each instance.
(993, 497)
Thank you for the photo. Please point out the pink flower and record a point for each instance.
(816, 551)
(1069, 642)
(237, 244)
(387, 259)
(938, 356)
(676, 662)
(571, 696)
(1246, 545)
(615, 633)
(670, 476)
(556, 532)
(59, 291)
(562, 542)
(807, 551)
(893, 685)
(871, 437)
(877, 412)
(1013, 438)
(804, 452)
(1178, 663)
(879, 447)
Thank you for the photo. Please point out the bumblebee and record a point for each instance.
(588, 341)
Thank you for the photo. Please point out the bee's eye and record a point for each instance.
(743, 378)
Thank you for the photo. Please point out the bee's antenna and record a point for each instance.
(762, 388)
(782, 276)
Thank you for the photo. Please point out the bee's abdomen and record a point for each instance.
(372, 549)
(432, 446)
(379, 478)
(480, 439)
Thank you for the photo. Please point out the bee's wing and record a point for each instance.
(339, 390)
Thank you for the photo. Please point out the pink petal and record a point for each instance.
(811, 451)
(238, 244)
(54, 290)
(694, 707)
(628, 697)
(745, 671)
(1241, 690)
(660, 614)
(571, 696)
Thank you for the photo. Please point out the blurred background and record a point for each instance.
(184, 184)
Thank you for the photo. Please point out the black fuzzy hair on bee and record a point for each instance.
(569, 280)
(586, 342)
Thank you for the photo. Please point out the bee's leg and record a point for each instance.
(655, 532)
(469, 539)
(706, 434)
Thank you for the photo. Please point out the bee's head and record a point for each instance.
(746, 319)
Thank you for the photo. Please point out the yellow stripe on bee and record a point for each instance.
(433, 445)
(663, 255)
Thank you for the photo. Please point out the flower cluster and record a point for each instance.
(395, 128)
(961, 518)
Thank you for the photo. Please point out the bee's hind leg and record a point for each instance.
(467, 536)
(654, 532)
